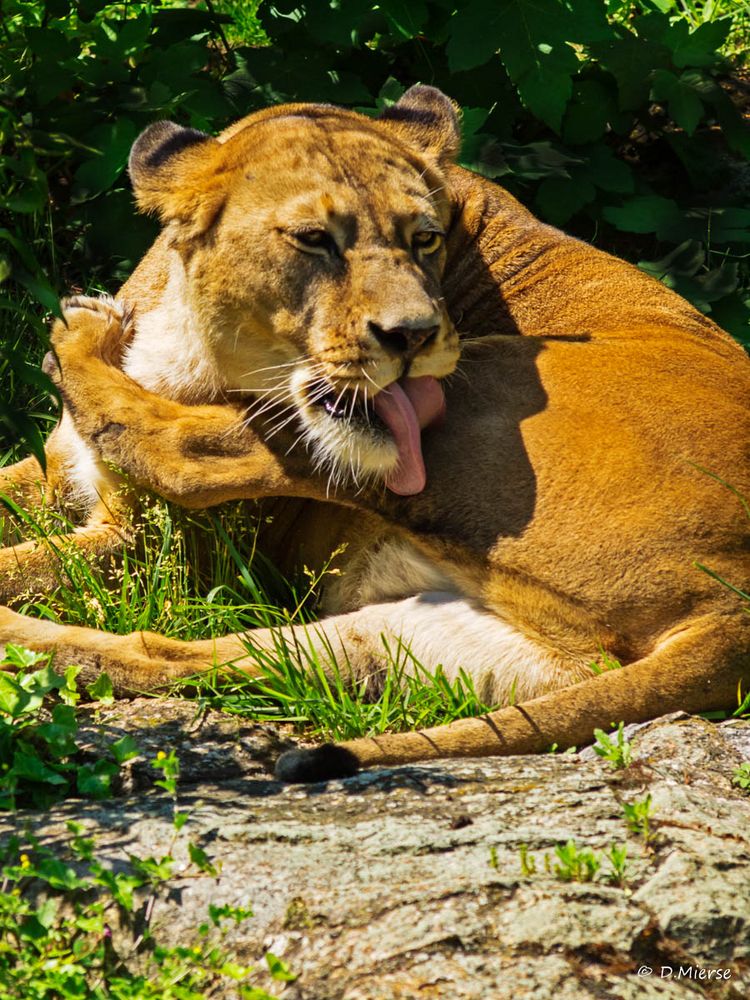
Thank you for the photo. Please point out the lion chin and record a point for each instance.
(372, 437)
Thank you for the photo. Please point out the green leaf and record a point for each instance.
(60, 733)
(47, 912)
(279, 970)
(719, 282)
(407, 17)
(533, 47)
(685, 106)
(472, 119)
(733, 314)
(58, 875)
(114, 142)
(531, 37)
(536, 160)
(179, 819)
(94, 781)
(475, 35)
(124, 749)
(42, 682)
(32, 768)
(50, 44)
(335, 23)
(154, 871)
(643, 214)
(631, 61)
(606, 171)
(201, 860)
(69, 693)
(13, 698)
(700, 47)
(589, 112)
(686, 259)
(559, 199)
(19, 656)
(101, 690)
(543, 78)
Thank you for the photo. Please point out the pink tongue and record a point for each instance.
(406, 407)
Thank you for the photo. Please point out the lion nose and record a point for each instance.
(403, 339)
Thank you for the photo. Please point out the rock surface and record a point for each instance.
(407, 883)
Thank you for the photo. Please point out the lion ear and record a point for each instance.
(173, 174)
(427, 120)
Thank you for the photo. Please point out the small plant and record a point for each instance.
(38, 745)
(741, 776)
(575, 864)
(617, 857)
(65, 946)
(571, 863)
(493, 863)
(617, 751)
(604, 663)
(637, 816)
(528, 861)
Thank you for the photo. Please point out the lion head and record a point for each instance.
(307, 245)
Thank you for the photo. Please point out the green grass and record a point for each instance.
(187, 576)
(326, 703)
(197, 576)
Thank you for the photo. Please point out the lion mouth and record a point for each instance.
(402, 411)
(342, 406)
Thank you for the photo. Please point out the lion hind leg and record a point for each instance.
(697, 668)
(25, 487)
(38, 565)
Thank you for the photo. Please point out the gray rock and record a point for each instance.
(407, 883)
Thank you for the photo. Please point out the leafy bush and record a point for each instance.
(79, 81)
(63, 946)
(620, 120)
(72, 925)
(38, 748)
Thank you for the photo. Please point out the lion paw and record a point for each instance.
(91, 326)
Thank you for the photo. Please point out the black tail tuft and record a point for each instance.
(320, 764)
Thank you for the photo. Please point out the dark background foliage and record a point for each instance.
(624, 121)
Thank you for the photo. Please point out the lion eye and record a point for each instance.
(427, 241)
(315, 239)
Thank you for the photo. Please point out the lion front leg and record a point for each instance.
(24, 483)
(197, 456)
(43, 507)
(426, 631)
(39, 565)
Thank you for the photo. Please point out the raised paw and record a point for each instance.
(90, 326)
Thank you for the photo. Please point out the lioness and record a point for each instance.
(549, 505)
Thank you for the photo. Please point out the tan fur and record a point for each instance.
(592, 424)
